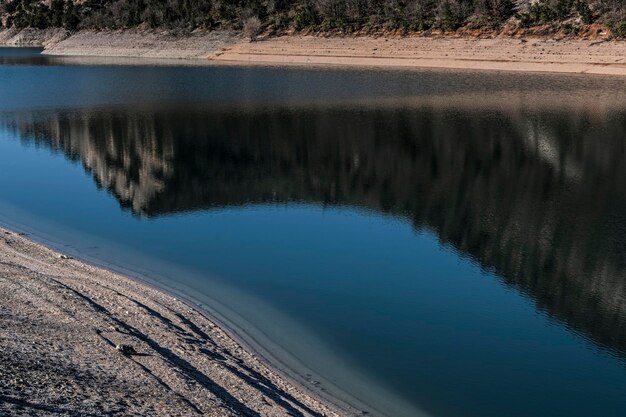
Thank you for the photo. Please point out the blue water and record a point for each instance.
(419, 243)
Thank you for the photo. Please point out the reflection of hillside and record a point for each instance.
(539, 198)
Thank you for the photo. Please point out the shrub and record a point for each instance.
(451, 14)
(306, 16)
(332, 12)
(619, 29)
(585, 12)
(252, 28)
(498, 10)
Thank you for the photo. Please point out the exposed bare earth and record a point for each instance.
(60, 322)
(504, 53)
(32, 37)
(135, 43)
(144, 44)
(508, 53)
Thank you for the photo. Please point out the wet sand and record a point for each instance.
(80, 340)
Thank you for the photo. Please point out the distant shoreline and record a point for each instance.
(527, 54)
(69, 316)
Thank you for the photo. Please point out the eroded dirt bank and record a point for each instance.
(546, 53)
(543, 54)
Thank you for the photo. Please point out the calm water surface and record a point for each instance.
(415, 243)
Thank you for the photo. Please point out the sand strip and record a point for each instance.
(529, 54)
(505, 53)
(79, 340)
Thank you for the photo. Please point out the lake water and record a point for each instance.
(416, 243)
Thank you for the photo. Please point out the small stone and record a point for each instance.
(127, 350)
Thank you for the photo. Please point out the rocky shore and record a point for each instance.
(80, 340)
(32, 37)
(135, 43)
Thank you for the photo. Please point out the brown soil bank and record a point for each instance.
(509, 53)
(502, 53)
(62, 324)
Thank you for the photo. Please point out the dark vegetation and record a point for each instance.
(318, 15)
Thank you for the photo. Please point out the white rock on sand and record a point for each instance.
(79, 340)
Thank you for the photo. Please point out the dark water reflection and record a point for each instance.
(539, 198)
(535, 195)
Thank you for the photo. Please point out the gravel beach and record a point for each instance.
(79, 340)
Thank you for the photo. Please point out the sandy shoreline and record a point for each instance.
(503, 54)
(61, 321)
(530, 54)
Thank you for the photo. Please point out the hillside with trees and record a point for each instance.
(330, 16)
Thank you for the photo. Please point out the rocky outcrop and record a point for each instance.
(33, 37)
(142, 43)
(131, 43)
